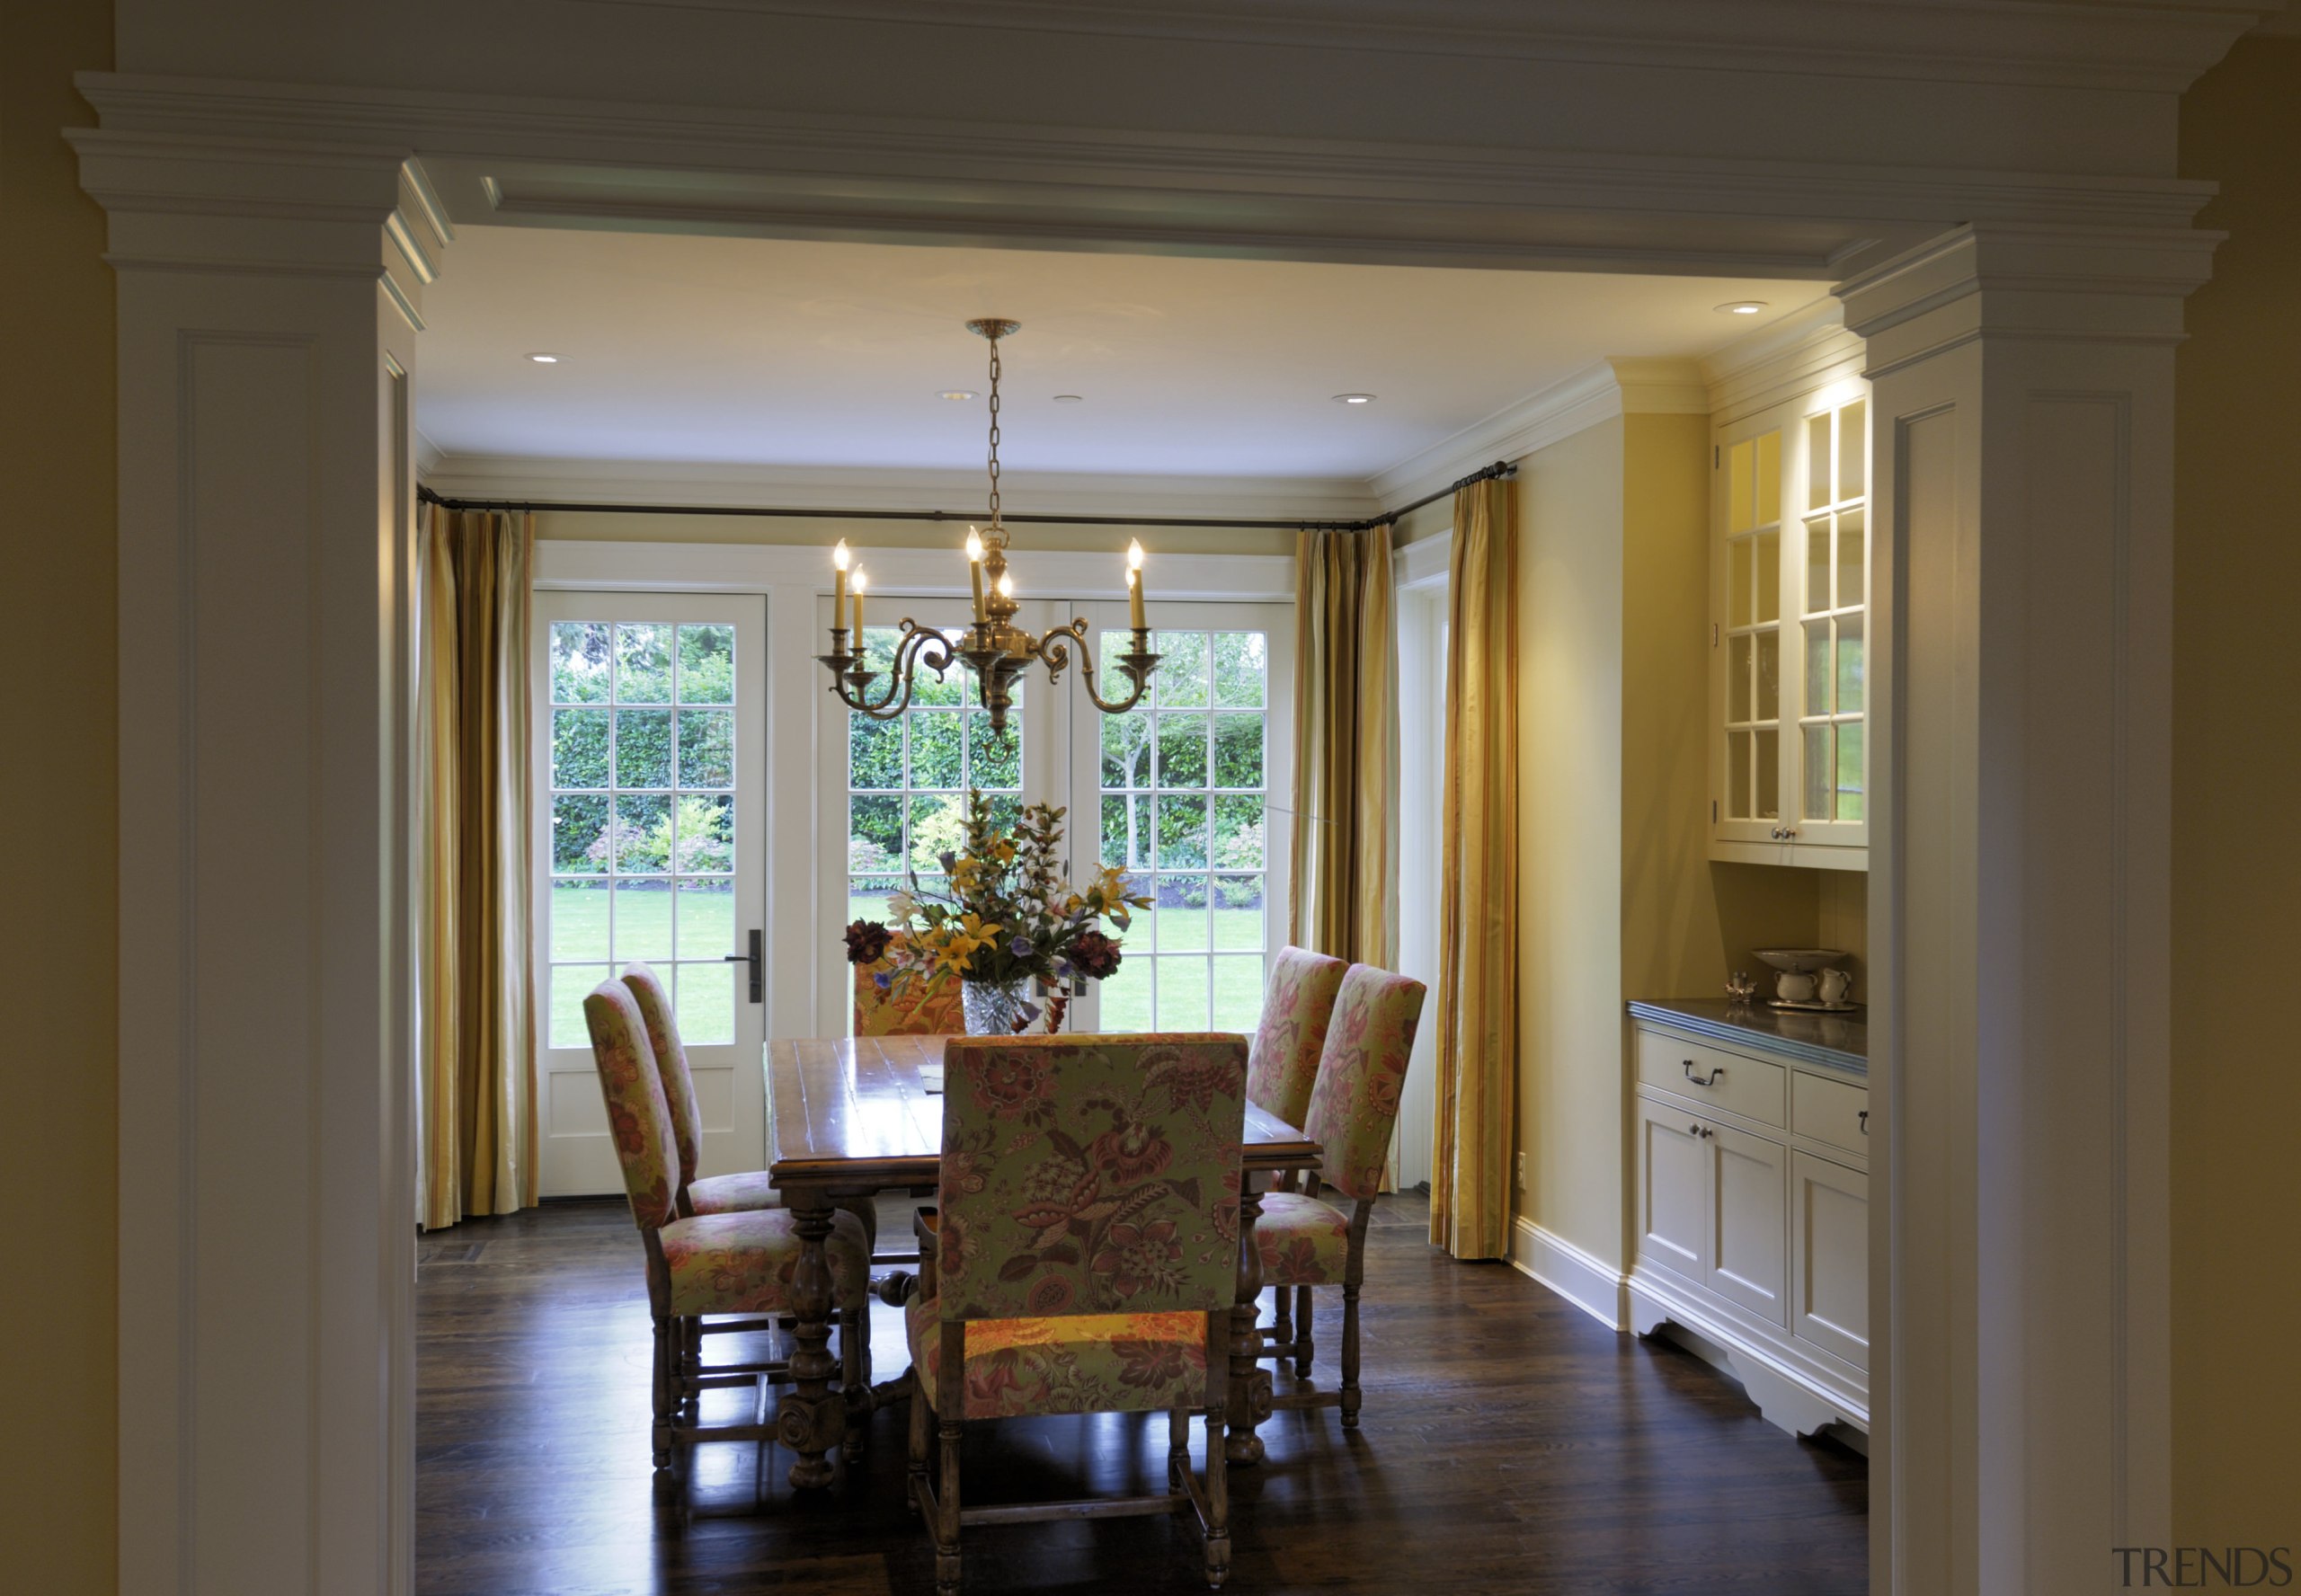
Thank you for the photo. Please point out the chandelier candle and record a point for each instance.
(995, 649)
(840, 558)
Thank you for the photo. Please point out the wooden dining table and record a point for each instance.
(847, 1120)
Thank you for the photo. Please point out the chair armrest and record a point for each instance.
(926, 1224)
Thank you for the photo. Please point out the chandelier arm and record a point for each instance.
(919, 644)
(1137, 664)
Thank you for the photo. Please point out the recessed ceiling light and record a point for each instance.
(1353, 398)
(1069, 398)
(955, 393)
(1742, 307)
(541, 358)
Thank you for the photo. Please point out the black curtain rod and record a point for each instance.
(1499, 468)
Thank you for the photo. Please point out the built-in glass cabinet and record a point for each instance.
(1790, 609)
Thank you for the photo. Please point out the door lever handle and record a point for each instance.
(756, 961)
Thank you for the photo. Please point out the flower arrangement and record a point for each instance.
(1007, 915)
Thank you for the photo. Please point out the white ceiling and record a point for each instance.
(789, 353)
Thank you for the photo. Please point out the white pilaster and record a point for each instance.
(2022, 425)
(269, 298)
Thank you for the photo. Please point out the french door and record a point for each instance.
(651, 760)
(1187, 793)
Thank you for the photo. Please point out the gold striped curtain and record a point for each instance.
(1345, 899)
(1478, 959)
(475, 999)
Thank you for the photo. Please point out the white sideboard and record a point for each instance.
(1750, 1203)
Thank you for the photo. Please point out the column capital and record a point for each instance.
(2069, 284)
(194, 201)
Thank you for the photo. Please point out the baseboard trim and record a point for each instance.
(1589, 1282)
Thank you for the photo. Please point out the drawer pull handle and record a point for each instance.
(1704, 1080)
(1865, 1118)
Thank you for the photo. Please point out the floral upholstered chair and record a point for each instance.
(1283, 1066)
(883, 1012)
(739, 1263)
(708, 1195)
(1084, 1259)
(1296, 1007)
(1304, 1242)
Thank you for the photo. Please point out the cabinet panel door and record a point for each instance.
(1830, 1257)
(1749, 1221)
(1673, 1196)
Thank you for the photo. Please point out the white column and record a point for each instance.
(2023, 439)
(267, 300)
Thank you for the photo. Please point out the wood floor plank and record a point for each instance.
(1512, 1445)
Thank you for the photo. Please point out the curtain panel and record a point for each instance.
(1477, 959)
(475, 1002)
(1345, 749)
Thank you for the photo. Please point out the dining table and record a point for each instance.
(849, 1119)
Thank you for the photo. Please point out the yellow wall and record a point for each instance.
(2236, 1096)
(59, 807)
(1569, 834)
(1617, 896)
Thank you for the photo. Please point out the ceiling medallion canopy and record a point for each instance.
(994, 648)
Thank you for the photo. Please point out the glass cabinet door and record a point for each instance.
(1748, 782)
(1789, 633)
(1831, 580)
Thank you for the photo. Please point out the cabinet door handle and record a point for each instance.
(1693, 1131)
(1711, 1079)
(1865, 1118)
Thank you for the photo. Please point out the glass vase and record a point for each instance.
(996, 1008)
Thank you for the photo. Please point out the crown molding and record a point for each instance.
(2103, 44)
(1597, 392)
(506, 160)
(1796, 355)
(524, 479)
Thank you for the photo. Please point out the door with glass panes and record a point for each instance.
(1189, 793)
(1185, 793)
(651, 762)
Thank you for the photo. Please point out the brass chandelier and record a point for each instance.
(994, 648)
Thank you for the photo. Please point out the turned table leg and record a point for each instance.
(1250, 1393)
(813, 1416)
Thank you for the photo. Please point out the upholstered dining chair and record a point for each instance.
(697, 1194)
(885, 1012)
(739, 1263)
(1283, 1066)
(1083, 1259)
(1304, 1241)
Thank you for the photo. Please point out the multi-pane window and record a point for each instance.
(642, 850)
(1753, 629)
(1184, 809)
(1833, 785)
(908, 780)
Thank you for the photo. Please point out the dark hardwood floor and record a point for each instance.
(1511, 1444)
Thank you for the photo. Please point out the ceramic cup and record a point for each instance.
(1793, 988)
(1835, 984)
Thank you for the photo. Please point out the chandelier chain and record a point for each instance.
(994, 431)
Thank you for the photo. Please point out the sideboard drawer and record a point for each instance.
(1830, 1110)
(1727, 1082)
